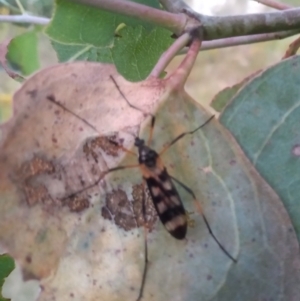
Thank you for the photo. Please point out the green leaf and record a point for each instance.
(81, 32)
(23, 52)
(264, 117)
(220, 101)
(136, 51)
(7, 264)
(67, 52)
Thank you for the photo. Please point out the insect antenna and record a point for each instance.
(138, 109)
(52, 99)
(184, 134)
(187, 189)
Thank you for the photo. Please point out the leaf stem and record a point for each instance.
(177, 80)
(21, 8)
(169, 54)
(8, 5)
(24, 19)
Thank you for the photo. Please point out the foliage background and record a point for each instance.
(214, 70)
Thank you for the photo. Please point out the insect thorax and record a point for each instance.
(147, 156)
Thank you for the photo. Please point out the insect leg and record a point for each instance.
(100, 178)
(200, 210)
(145, 245)
(184, 134)
(138, 109)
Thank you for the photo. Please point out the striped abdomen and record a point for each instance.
(167, 203)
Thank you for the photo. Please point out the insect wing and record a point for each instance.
(168, 204)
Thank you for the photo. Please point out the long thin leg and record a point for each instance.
(200, 210)
(138, 109)
(145, 246)
(184, 134)
(100, 178)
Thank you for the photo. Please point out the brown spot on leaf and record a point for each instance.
(35, 166)
(35, 194)
(128, 214)
(32, 93)
(54, 140)
(77, 204)
(51, 97)
(28, 258)
(92, 147)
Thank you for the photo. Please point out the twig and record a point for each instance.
(22, 10)
(213, 27)
(244, 40)
(275, 4)
(8, 5)
(169, 54)
(174, 22)
(24, 19)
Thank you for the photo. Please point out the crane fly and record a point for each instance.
(160, 183)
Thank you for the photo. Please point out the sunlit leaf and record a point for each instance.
(96, 238)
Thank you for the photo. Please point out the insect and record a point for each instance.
(160, 183)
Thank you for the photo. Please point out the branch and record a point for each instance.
(174, 22)
(274, 4)
(213, 27)
(241, 25)
(24, 19)
(244, 40)
(226, 31)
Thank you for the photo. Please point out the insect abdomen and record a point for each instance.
(168, 205)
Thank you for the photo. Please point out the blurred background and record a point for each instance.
(214, 71)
